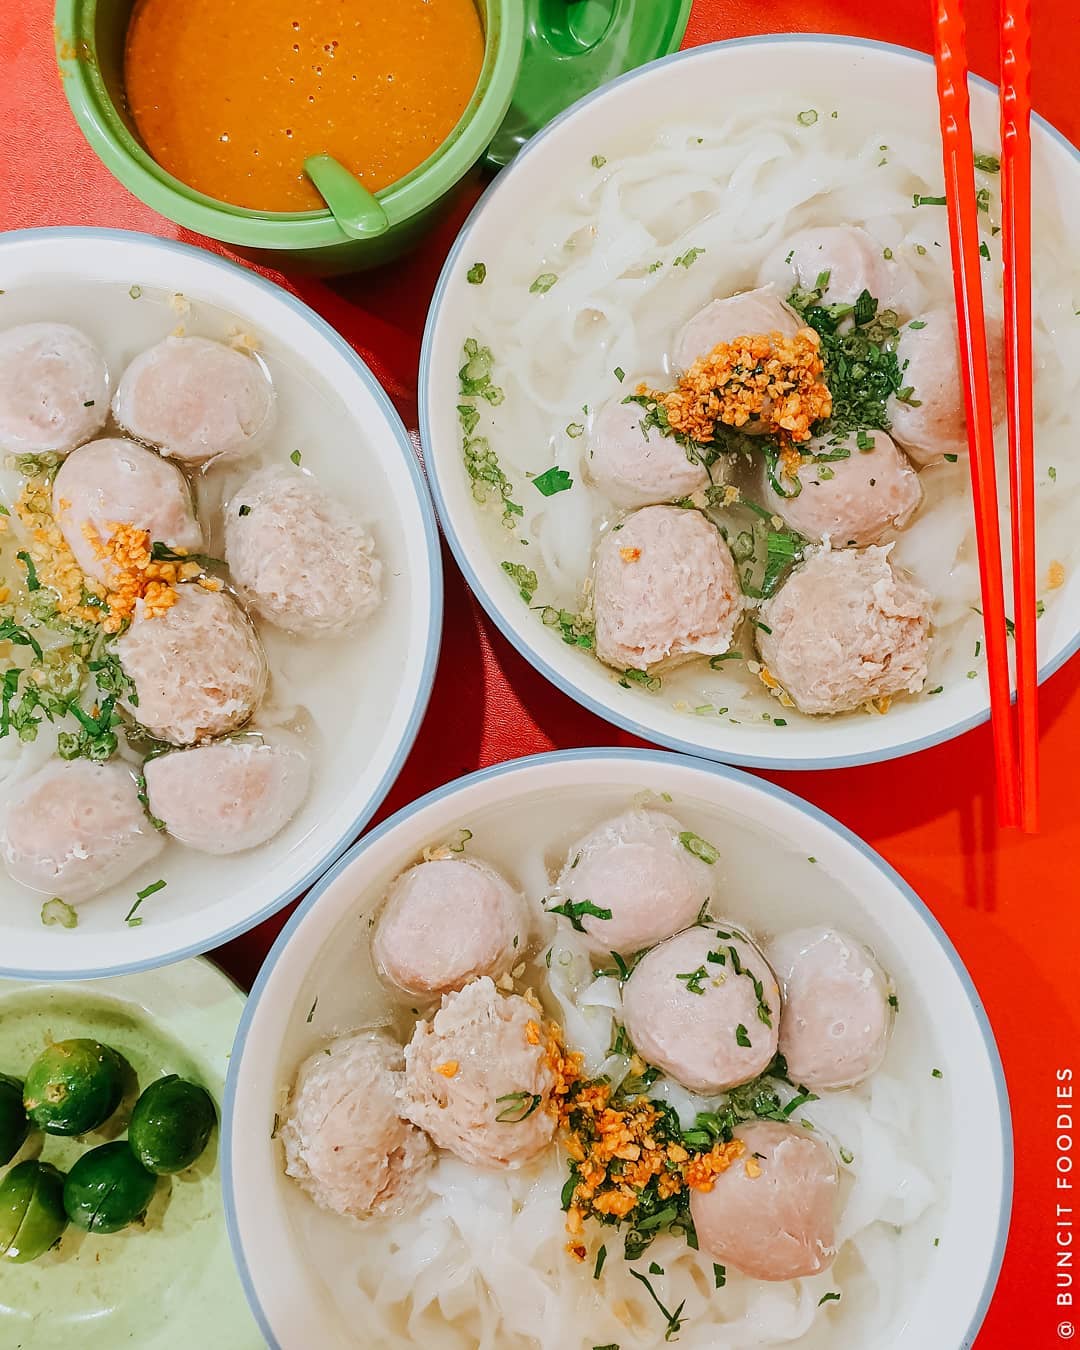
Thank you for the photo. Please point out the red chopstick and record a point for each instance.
(1016, 253)
(952, 79)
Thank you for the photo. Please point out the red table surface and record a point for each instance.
(1008, 902)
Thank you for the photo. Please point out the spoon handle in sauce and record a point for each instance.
(356, 210)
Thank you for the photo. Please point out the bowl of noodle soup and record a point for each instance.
(570, 291)
(477, 1256)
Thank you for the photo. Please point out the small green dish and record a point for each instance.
(167, 1282)
(570, 47)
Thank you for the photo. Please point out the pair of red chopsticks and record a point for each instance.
(1017, 757)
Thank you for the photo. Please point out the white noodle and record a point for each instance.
(738, 189)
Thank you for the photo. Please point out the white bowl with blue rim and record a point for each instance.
(355, 766)
(832, 69)
(296, 1262)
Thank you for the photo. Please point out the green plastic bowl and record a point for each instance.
(90, 52)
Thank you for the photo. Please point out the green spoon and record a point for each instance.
(356, 211)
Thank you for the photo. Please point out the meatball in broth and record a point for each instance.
(837, 1016)
(195, 399)
(75, 828)
(772, 1214)
(665, 588)
(297, 557)
(198, 669)
(850, 500)
(230, 796)
(54, 389)
(344, 1138)
(446, 922)
(759, 311)
(635, 869)
(639, 467)
(705, 1008)
(931, 421)
(116, 482)
(843, 261)
(478, 1080)
(844, 629)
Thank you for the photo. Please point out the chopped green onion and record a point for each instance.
(57, 911)
(700, 848)
(140, 896)
(688, 258)
(807, 118)
(476, 274)
(543, 283)
(598, 161)
(522, 1105)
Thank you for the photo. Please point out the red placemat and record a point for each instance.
(1009, 903)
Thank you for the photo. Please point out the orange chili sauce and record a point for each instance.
(231, 96)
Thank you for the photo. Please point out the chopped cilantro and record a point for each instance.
(13, 632)
(984, 251)
(828, 1298)
(674, 1319)
(936, 1073)
(553, 480)
(720, 1272)
(742, 1036)
(619, 374)
(950, 459)
(988, 163)
(693, 978)
(574, 909)
(244, 510)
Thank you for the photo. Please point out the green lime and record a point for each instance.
(74, 1086)
(171, 1124)
(31, 1211)
(14, 1126)
(107, 1189)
